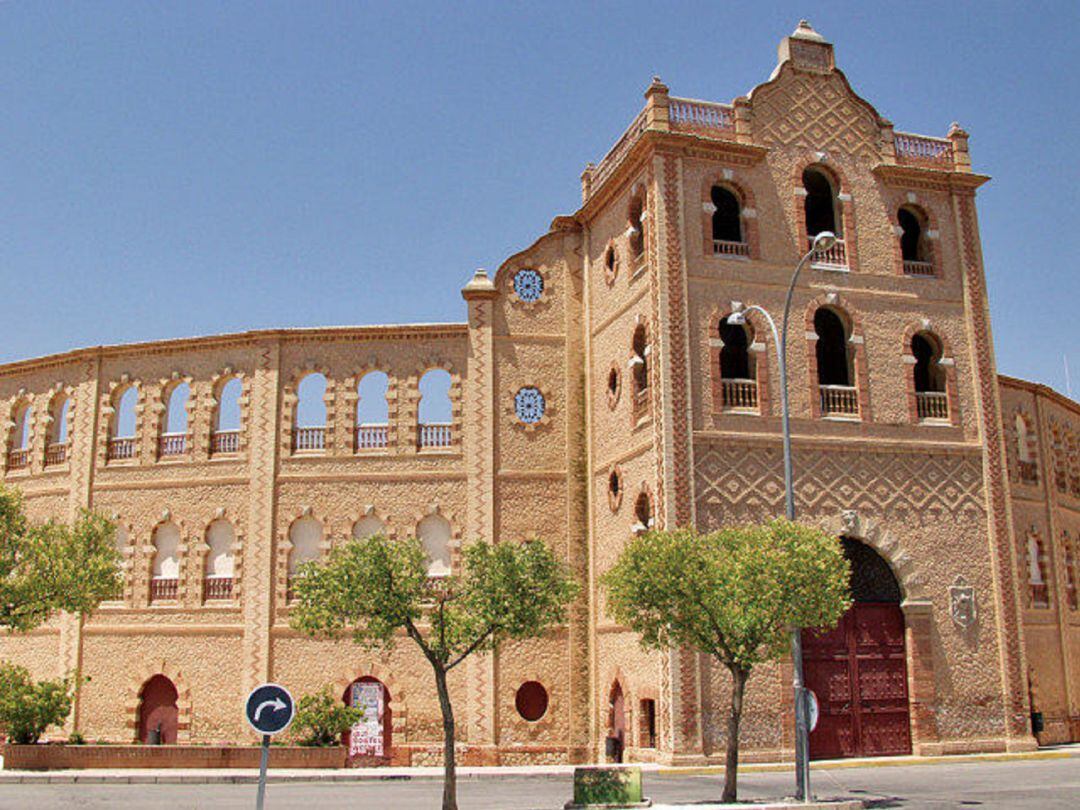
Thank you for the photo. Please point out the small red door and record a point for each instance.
(618, 722)
(158, 714)
(858, 671)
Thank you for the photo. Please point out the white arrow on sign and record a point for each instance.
(277, 703)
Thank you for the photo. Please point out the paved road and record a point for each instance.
(1041, 784)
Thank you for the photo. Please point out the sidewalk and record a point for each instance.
(251, 775)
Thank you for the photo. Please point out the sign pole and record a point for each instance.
(269, 709)
(263, 760)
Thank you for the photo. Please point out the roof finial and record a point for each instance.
(806, 31)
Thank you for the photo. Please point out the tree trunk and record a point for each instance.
(731, 764)
(449, 796)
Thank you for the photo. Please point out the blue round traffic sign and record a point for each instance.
(269, 708)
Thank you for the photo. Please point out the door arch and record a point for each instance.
(616, 723)
(858, 670)
(158, 712)
(369, 741)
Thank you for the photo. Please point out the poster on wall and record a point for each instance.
(366, 737)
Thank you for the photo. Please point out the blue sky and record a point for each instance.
(191, 168)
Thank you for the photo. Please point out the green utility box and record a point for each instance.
(600, 787)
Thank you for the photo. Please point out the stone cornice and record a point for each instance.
(436, 331)
(1040, 389)
(933, 179)
(688, 144)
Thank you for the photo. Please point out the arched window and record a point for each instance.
(372, 411)
(639, 370)
(931, 400)
(120, 541)
(1025, 454)
(225, 435)
(173, 440)
(122, 427)
(636, 230)
(435, 533)
(914, 249)
(643, 513)
(435, 412)
(738, 372)
(834, 360)
(166, 567)
(726, 219)
(833, 357)
(1038, 591)
(367, 526)
(309, 432)
(1070, 571)
(19, 449)
(819, 204)
(60, 411)
(305, 536)
(218, 580)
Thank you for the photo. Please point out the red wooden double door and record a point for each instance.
(859, 673)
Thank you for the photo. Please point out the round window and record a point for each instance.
(531, 701)
(528, 285)
(529, 405)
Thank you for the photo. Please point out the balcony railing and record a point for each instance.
(435, 434)
(164, 589)
(172, 444)
(920, 150)
(122, 448)
(18, 459)
(223, 442)
(835, 257)
(914, 268)
(722, 247)
(615, 155)
(55, 453)
(932, 405)
(217, 588)
(1039, 593)
(690, 114)
(308, 439)
(1029, 473)
(839, 400)
(739, 395)
(372, 437)
(641, 403)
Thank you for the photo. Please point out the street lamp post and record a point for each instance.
(822, 242)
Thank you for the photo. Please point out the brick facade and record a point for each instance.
(942, 500)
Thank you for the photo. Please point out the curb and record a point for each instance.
(249, 777)
(882, 762)
(823, 804)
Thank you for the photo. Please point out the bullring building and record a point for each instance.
(596, 389)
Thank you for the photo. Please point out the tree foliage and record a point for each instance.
(28, 708)
(53, 567)
(321, 719)
(374, 589)
(734, 594)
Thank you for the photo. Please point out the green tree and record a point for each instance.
(374, 588)
(321, 719)
(28, 708)
(53, 567)
(734, 594)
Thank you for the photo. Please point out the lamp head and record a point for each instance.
(823, 241)
(737, 318)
